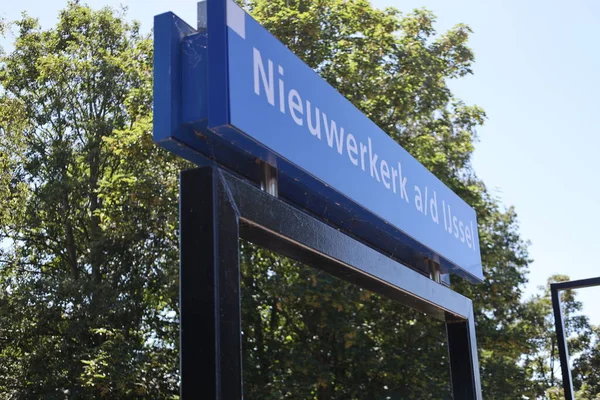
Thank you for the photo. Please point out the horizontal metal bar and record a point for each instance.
(578, 284)
(272, 223)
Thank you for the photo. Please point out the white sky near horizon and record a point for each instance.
(536, 77)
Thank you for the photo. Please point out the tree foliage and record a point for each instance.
(87, 217)
(586, 368)
(88, 224)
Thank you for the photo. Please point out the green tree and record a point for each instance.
(310, 336)
(586, 369)
(88, 283)
(88, 218)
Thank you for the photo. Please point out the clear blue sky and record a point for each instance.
(536, 76)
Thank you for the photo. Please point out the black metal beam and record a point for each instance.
(274, 224)
(216, 208)
(210, 309)
(462, 346)
(563, 351)
(578, 284)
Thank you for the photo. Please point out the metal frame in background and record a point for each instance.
(563, 351)
(216, 209)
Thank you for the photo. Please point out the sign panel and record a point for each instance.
(265, 100)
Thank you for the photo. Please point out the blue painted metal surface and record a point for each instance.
(235, 95)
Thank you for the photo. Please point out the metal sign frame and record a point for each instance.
(216, 210)
(563, 351)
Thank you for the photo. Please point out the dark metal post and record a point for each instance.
(210, 353)
(563, 351)
(464, 365)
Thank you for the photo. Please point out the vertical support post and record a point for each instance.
(464, 364)
(434, 271)
(210, 308)
(268, 179)
(563, 351)
(435, 274)
(202, 16)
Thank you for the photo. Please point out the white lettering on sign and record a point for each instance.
(364, 156)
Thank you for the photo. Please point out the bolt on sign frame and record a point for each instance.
(338, 193)
(563, 351)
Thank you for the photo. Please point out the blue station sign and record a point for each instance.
(233, 94)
